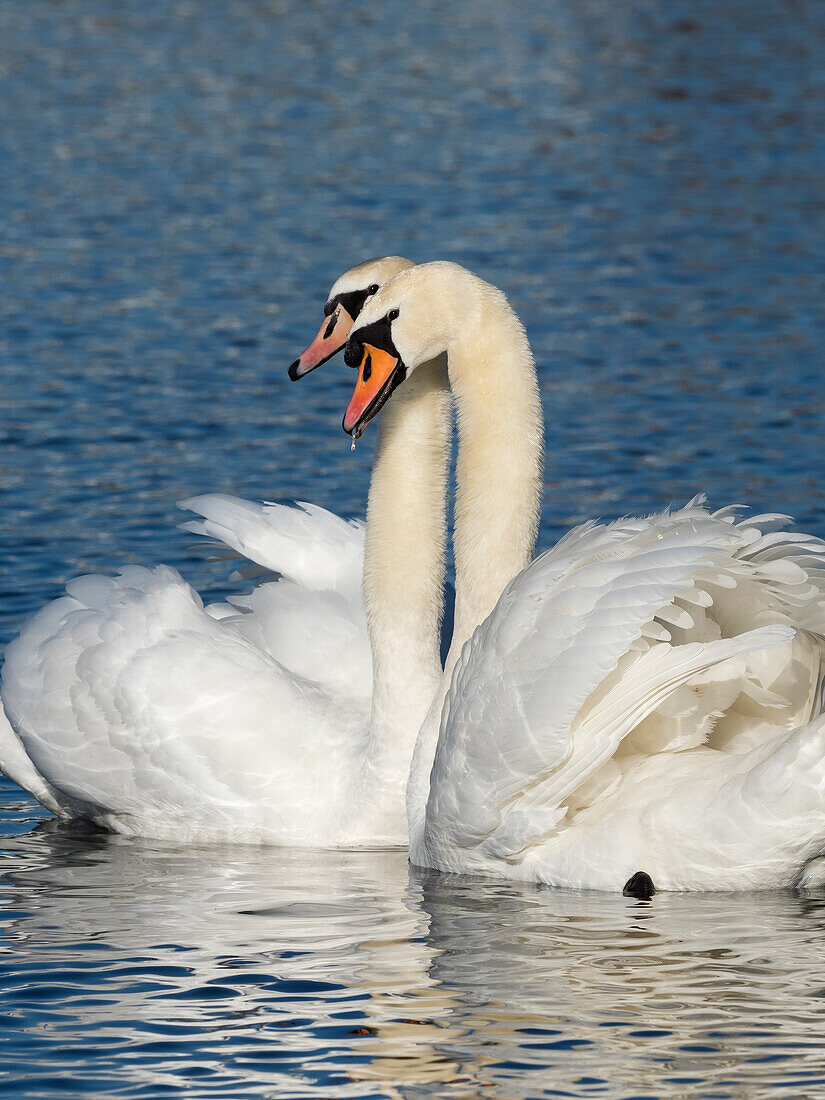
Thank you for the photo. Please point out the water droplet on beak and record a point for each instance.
(352, 448)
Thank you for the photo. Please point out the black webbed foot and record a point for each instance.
(640, 886)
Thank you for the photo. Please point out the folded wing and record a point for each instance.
(634, 638)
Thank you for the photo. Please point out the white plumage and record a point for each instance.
(646, 695)
(151, 714)
(255, 720)
(622, 705)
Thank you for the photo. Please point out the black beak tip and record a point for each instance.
(295, 370)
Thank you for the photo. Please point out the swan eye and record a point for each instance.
(393, 313)
(372, 289)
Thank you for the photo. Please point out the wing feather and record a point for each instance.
(305, 543)
(129, 699)
(586, 614)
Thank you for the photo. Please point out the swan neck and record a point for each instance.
(499, 476)
(404, 568)
(500, 461)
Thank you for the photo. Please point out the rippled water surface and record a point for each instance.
(181, 184)
(135, 970)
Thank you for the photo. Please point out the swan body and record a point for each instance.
(261, 720)
(642, 696)
(646, 695)
(150, 714)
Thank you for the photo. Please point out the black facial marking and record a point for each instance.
(639, 886)
(379, 334)
(367, 368)
(353, 302)
(328, 331)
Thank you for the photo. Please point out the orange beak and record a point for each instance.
(378, 376)
(331, 337)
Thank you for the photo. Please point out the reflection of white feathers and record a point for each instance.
(278, 971)
(645, 695)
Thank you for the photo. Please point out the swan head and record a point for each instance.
(346, 300)
(410, 320)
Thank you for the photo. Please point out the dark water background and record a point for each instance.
(181, 182)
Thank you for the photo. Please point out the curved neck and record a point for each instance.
(404, 570)
(500, 461)
(499, 472)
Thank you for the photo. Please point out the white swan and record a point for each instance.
(578, 743)
(646, 695)
(133, 705)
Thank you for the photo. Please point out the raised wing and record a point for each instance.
(311, 617)
(307, 544)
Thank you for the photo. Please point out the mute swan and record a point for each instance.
(646, 695)
(134, 706)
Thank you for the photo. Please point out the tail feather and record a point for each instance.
(15, 763)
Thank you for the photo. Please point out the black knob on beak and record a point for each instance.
(354, 353)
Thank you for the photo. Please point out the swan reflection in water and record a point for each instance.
(277, 972)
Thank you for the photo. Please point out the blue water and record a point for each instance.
(181, 184)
